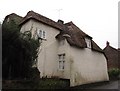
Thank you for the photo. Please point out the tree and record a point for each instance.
(20, 50)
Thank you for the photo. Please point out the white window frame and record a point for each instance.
(61, 61)
(88, 42)
(41, 34)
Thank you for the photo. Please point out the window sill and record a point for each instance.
(61, 70)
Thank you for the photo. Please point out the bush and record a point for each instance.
(114, 73)
(44, 83)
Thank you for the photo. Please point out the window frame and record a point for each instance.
(41, 34)
(61, 61)
(88, 42)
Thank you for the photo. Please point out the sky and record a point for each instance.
(97, 18)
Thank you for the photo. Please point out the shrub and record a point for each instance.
(44, 83)
(114, 73)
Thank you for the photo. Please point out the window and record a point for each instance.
(88, 42)
(61, 61)
(62, 42)
(41, 34)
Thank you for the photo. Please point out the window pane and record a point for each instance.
(60, 64)
(40, 33)
(60, 57)
(63, 56)
(63, 64)
(88, 42)
(43, 34)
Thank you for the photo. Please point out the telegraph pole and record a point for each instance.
(59, 13)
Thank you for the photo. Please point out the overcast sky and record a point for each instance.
(97, 18)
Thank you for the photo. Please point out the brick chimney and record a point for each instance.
(107, 43)
(60, 21)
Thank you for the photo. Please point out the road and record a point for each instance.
(104, 85)
(110, 85)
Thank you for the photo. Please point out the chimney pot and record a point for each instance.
(107, 43)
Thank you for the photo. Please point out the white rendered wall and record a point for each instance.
(88, 66)
(81, 65)
(47, 60)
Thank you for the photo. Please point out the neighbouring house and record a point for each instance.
(10, 23)
(112, 55)
(12, 18)
(119, 58)
(66, 51)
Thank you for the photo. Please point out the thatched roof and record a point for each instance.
(75, 36)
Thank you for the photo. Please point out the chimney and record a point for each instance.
(107, 43)
(118, 49)
(60, 21)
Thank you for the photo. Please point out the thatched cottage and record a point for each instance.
(66, 51)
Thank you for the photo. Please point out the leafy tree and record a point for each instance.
(20, 50)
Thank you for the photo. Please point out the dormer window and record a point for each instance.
(62, 42)
(88, 42)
